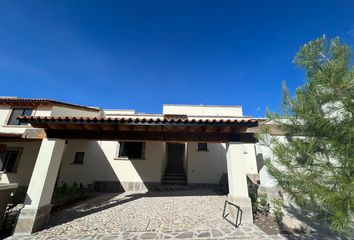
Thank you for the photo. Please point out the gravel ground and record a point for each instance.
(191, 214)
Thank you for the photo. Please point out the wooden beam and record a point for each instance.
(123, 128)
(75, 126)
(91, 127)
(57, 126)
(195, 129)
(152, 136)
(225, 129)
(211, 129)
(4, 140)
(139, 128)
(154, 128)
(108, 127)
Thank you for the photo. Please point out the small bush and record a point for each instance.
(262, 204)
(278, 209)
(74, 188)
(253, 197)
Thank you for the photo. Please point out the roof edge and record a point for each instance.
(198, 105)
(43, 101)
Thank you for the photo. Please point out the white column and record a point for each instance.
(238, 189)
(40, 190)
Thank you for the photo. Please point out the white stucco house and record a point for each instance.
(43, 142)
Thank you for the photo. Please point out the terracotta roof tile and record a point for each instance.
(133, 120)
(41, 101)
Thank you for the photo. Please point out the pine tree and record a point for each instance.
(315, 164)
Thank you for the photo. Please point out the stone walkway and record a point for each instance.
(154, 215)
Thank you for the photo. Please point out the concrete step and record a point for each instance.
(173, 187)
(174, 182)
(175, 173)
(174, 177)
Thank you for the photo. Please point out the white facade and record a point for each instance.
(101, 162)
(44, 161)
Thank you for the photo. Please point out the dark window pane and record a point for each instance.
(131, 149)
(26, 112)
(202, 146)
(9, 161)
(16, 112)
(13, 118)
(79, 158)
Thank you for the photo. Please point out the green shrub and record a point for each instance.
(278, 209)
(253, 197)
(262, 204)
(74, 188)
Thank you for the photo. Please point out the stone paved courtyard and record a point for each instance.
(153, 215)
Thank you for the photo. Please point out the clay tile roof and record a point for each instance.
(39, 102)
(136, 120)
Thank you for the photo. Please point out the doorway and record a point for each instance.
(175, 171)
(175, 157)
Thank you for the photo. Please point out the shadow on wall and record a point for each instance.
(22, 175)
(96, 169)
(260, 161)
(206, 167)
(109, 174)
(106, 173)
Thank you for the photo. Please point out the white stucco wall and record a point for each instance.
(101, 164)
(26, 163)
(72, 112)
(249, 156)
(206, 166)
(5, 112)
(4, 115)
(264, 152)
(200, 110)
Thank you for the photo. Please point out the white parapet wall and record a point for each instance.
(203, 110)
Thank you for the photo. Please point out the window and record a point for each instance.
(202, 147)
(10, 159)
(16, 112)
(79, 158)
(131, 150)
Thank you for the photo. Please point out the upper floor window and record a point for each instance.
(79, 158)
(131, 150)
(17, 112)
(10, 159)
(202, 147)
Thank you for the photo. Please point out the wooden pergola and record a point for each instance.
(166, 128)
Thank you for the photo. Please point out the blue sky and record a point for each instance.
(141, 54)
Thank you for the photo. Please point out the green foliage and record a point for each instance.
(278, 209)
(262, 204)
(254, 197)
(74, 188)
(314, 163)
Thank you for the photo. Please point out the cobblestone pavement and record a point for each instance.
(189, 214)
